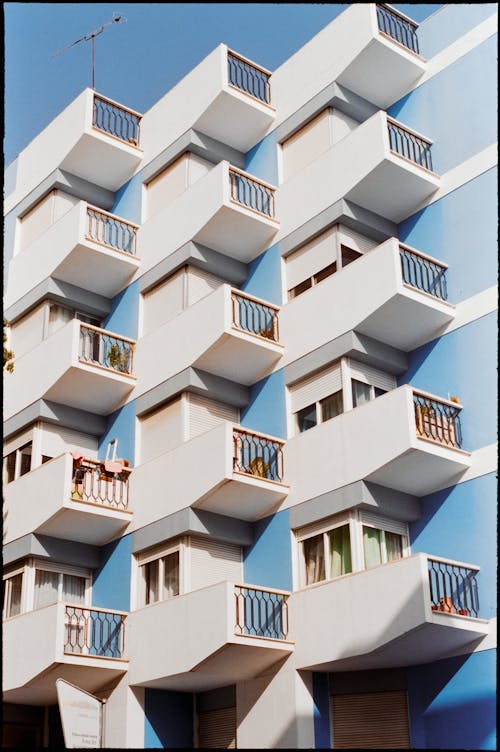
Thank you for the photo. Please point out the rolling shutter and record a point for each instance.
(214, 561)
(306, 144)
(161, 430)
(205, 413)
(311, 258)
(163, 302)
(316, 387)
(354, 240)
(217, 729)
(200, 283)
(371, 720)
(370, 375)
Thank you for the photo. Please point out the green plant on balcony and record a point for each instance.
(8, 355)
(118, 358)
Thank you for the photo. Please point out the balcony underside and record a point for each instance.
(236, 119)
(98, 390)
(240, 357)
(245, 497)
(85, 523)
(97, 268)
(102, 159)
(238, 232)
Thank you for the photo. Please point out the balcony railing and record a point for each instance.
(423, 273)
(251, 193)
(437, 421)
(257, 455)
(92, 483)
(248, 77)
(409, 145)
(116, 120)
(93, 632)
(251, 315)
(395, 26)
(261, 613)
(111, 231)
(98, 347)
(453, 588)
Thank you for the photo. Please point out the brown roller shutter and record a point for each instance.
(371, 720)
(217, 729)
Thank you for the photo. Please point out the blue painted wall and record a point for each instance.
(268, 562)
(120, 425)
(456, 108)
(460, 523)
(452, 703)
(168, 719)
(461, 230)
(123, 317)
(264, 276)
(261, 160)
(321, 699)
(450, 23)
(266, 410)
(128, 200)
(111, 584)
(464, 364)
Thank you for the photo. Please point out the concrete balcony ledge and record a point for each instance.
(376, 442)
(32, 664)
(209, 213)
(379, 618)
(86, 247)
(190, 657)
(226, 470)
(87, 511)
(70, 371)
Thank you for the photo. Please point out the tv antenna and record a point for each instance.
(91, 37)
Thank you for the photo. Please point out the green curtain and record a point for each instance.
(340, 551)
(394, 546)
(372, 546)
(314, 556)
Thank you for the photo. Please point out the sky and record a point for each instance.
(138, 61)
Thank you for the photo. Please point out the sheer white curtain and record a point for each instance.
(314, 557)
(171, 575)
(73, 590)
(46, 584)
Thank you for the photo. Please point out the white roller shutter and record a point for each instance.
(370, 375)
(371, 720)
(173, 181)
(163, 302)
(315, 387)
(205, 413)
(161, 430)
(342, 125)
(306, 144)
(217, 729)
(28, 331)
(392, 526)
(214, 561)
(311, 258)
(354, 240)
(200, 283)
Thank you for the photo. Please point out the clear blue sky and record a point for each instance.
(140, 60)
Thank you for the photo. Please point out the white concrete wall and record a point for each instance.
(56, 439)
(25, 652)
(27, 332)
(124, 720)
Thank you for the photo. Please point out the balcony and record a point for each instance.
(388, 62)
(81, 501)
(248, 633)
(415, 610)
(228, 470)
(94, 138)
(381, 165)
(227, 210)
(83, 645)
(400, 294)
(227, 333)
(79, 365)
(405, 439)
(86, 247)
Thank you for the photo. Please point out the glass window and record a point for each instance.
(393, 546)
(331, 406)
(151, 572)
(326, 272)
(307, 418)
(171, 575)
(340, 551)
(162, 578)
(314, 557)
(9, 467)
(12, 595)
(348, 255)
(46, 588)
(73, 591)
(300, 288)
(378, 391)
(372, 546)
(361, 393)
(25, 466)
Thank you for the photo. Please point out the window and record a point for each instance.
(311, 281)
(319, 412)
(55, 586)
(348, 255)
(161, 578)
(327, 555)
(17, 463)
(12, 593)
(381, 546)
(362, 393)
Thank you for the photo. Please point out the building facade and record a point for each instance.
(250, 436)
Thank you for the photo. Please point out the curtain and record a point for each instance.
(171, 575)
(360, 393)
(314, 556)
(340, 551)
(372, 546)
(151, 573)
(394, 546)
(331, 406)
(46, 584)
(74, 590)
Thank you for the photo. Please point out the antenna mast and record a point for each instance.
(91, 37)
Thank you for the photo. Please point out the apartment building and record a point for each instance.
(250, 436)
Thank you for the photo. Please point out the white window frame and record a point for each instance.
(159, 553)
(21, 569)
(385, 525)
(61, 570)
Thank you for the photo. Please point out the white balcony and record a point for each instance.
(227, 210)
(392, 441)
(385, 617)
(227, 333)
(380, 166)
(93, 138)
(398, 294)
(81, 645)
(79, 365)
(58, 499)
(227, 470)
(86, 247)
(208, 638)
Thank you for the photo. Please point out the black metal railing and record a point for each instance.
(453, 588)
(437, 421)
(93, 632)
(261, 613)
(113, 232)
(92, 483)
(248, 78)
(251, 193)
(252, 316)
(258, 456)
(106, 350)
(400, 29)
(115, 120)
(410, 146)
(423, 273)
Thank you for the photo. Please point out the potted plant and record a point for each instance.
(118, 358)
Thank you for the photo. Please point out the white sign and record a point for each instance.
(81, 716)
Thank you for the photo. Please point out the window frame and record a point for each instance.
(159, 553)
(7, 591)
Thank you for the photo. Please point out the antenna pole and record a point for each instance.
(93, 64)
